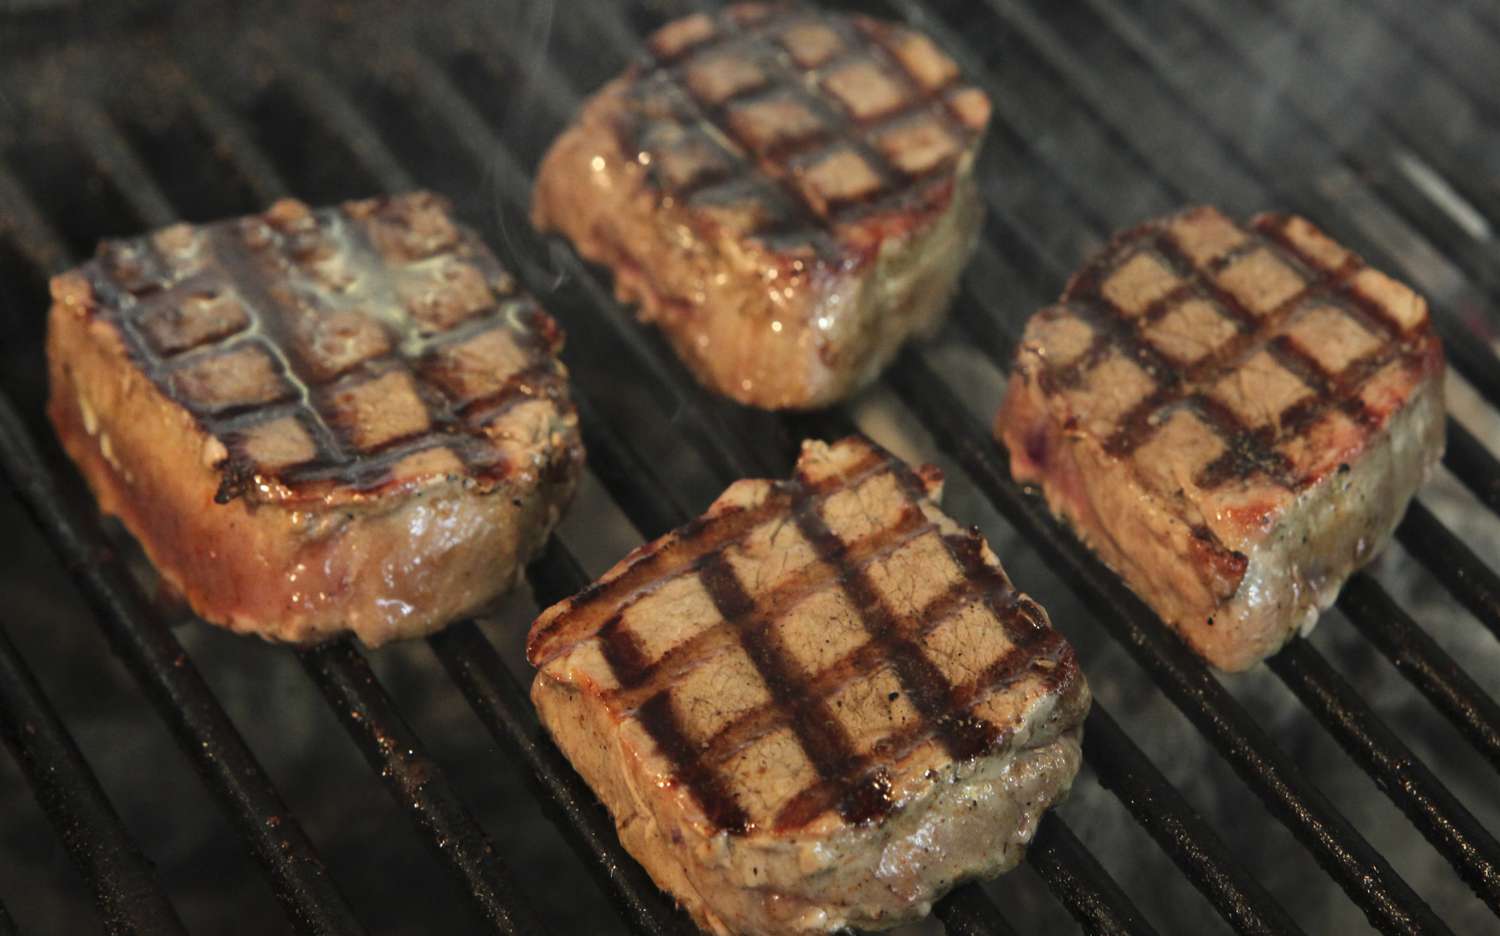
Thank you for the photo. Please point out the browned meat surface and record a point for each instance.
(315, 421)
(787, 194)
(821, 704)
(1234, 418)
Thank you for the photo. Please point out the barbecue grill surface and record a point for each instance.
(242, 788)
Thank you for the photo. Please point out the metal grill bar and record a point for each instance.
(1453, 563)
(33, 233)
(502, 706)
(967, 911)
(1473, 464)
(1127, 772)
(122, 879)
(418, 783)
(179, 693)
(1420, 660)
(1365, 875)
(1450, 827)
(1085, 888)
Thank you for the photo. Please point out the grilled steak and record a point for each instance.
(786, 193)
(1233, 418)
(317, 420)
(821, 704)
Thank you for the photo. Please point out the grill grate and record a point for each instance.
(1106, 67)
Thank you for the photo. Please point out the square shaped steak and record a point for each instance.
(315, 421)
(787, 193)
(1234, 418)
(821, 704)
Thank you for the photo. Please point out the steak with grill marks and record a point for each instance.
(787, 194)
(1233, 417)
(821, 704)
(317, 420)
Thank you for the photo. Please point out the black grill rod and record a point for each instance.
(418, 783)
(968, 911)
(236, 142)
(1418, 658)
(1411, 35)
(1473, 464)
(179, 693)
(123, 880)
(502, 705)
(1453, 563)
(1081, 883)
(1363, 872)
(343, 675)
(1424, 663)
(1125, 770)
(1440, 817)
(28, 228)
(115, 157)
(1387, 132)
(1470, 357)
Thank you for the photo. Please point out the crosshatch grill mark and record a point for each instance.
(793, 215)
(856, 785)
(260, 268)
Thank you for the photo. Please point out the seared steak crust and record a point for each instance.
(787, 194)
(820, 704)
(317, 420)
(1233, 417)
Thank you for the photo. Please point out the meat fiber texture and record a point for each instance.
(821, 704)
(314, 422)
(787, 195)
(1233, 418)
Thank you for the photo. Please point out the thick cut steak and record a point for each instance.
(821, 704)
(787, 194)
(1234, 418)
(315, 421)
